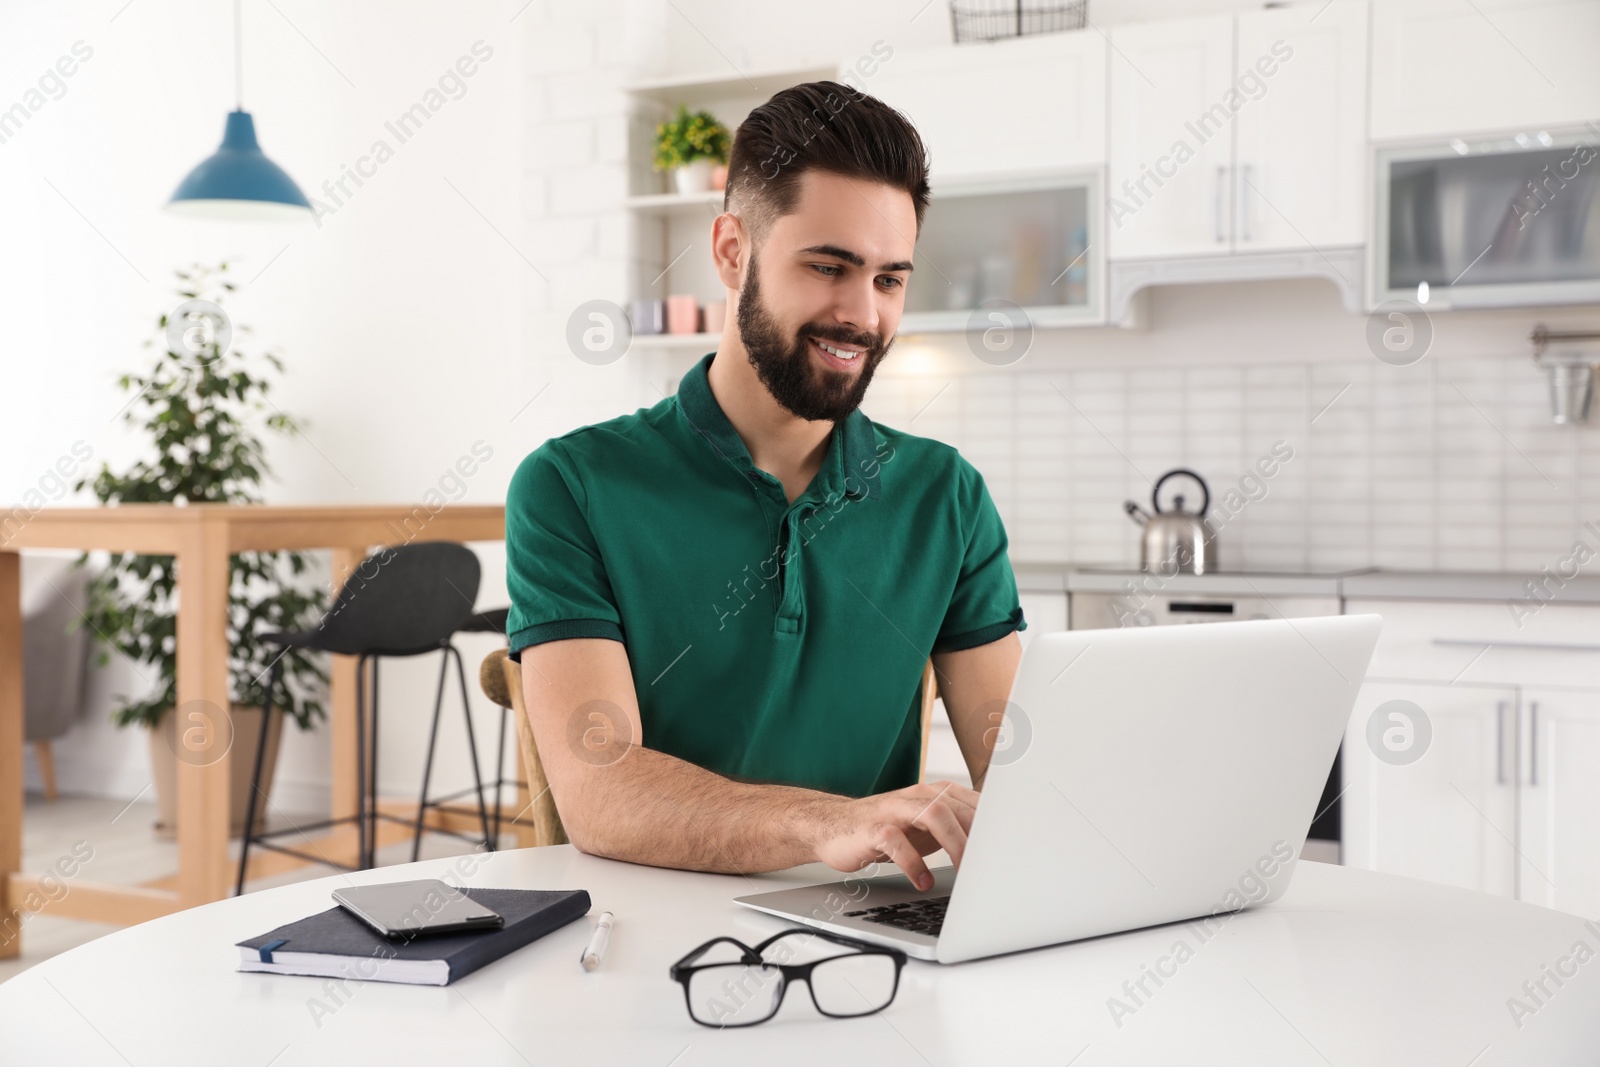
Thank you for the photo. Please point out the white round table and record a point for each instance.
(1349, 967)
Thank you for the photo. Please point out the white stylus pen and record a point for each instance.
(598, 941)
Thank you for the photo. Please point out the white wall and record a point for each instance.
(401, 316)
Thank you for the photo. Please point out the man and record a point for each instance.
(723, 604)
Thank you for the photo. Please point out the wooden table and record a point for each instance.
(202, 537)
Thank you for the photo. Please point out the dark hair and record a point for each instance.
(826, 126)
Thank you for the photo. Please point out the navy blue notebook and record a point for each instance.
(336, 944)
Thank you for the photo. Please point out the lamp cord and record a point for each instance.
(238, 60)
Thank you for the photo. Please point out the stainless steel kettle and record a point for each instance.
(1176, 541)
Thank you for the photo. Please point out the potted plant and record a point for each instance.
(690, 145)
(201, 405)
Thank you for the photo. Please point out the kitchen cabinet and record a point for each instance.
(1024, 105)
(1515, 710)
(1486, 643)
(1163, 77)
(1046, 612)
(1445, 68)
(1559, 827)
(1029, 243)
(1448, 817)
(1440, 205)
(1300, 151)
(1238, 133)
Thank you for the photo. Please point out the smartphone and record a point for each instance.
(416, 909)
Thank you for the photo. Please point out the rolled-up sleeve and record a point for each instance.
(984, 606)
(554, 571)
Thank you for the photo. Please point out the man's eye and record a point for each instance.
(893, 281)
(826, 269)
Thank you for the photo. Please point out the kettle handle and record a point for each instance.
(1205, 490)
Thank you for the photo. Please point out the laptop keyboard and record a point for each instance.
(919, 916)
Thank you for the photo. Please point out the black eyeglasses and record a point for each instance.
(859, 979)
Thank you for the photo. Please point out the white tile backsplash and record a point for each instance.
(1443, 465)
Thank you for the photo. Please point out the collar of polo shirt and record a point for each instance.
(852, 451)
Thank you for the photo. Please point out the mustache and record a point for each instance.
(872, 342)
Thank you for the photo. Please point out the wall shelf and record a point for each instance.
(675, 203)
(708, 86)
(704, 342)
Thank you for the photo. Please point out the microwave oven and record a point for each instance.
(1510, 221)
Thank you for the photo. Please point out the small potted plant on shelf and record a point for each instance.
(690, 146)
(201, 405)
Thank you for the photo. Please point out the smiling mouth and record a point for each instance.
(847, 354)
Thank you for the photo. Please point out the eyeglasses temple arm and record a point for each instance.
(748, 954)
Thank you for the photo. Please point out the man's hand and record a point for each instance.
(902, 826)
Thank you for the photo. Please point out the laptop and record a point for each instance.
(1141, 776)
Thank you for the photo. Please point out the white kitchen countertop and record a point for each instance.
(1034, 577)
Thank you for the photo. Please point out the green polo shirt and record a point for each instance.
(768, 641)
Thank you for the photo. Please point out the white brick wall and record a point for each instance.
(575, 173)
(1445, 465)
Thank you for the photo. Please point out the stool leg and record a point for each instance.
(361, 763)
(45, 757)
(372, 792)
(472, 746)
(255, 776)
(427, 764)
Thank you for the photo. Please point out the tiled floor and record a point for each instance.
(126, 850)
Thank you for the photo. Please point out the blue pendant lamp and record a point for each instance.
(238, 181)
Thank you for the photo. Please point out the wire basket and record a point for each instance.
(995, 20)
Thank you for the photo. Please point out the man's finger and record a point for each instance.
(939, 820)
(964, 809)
(963, 801)
(898, 848)
(965, 794)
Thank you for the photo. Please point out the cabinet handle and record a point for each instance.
(1500, 742)
(1216, 211)
(1535, 646)
(1533, 743)
(1244, 203)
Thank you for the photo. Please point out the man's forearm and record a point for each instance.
(644, 806)
(653, 808)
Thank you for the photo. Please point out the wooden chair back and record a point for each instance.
(537, 817)
(930, 693)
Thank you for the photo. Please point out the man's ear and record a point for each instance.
(730, 249)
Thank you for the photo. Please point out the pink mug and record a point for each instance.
(716, 311)
(683, 314)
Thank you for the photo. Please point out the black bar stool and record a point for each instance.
(403, 601)
(481, 622)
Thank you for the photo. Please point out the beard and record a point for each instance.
(787, 368)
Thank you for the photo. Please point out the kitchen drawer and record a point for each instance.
(1482, 643)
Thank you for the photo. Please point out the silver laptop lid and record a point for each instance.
(1149, 775)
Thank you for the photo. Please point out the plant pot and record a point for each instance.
(693, 177)
(246, 734)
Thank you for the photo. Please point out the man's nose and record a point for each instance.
(857, 308)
